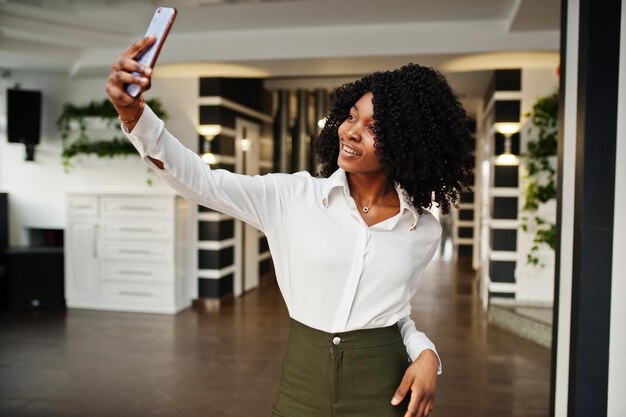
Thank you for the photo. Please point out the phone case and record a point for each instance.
(160, 25)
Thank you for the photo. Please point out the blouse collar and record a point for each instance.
(339, 180)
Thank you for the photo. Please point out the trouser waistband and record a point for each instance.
(356, 339)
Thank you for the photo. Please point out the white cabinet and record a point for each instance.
(128, 253)
(82, 283)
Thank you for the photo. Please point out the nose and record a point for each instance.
(354, 132)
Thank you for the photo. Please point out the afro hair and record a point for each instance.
(422, 136)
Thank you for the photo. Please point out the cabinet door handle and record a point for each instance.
(95, 240)
(136, 251)
(137, 208)
(129, 272)
(137, 293)
(137, 229)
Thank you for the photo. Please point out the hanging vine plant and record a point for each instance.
(74, 119)
(541, 175)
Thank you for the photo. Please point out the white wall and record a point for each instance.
(534, 283)
(37, 189)
(616, 404)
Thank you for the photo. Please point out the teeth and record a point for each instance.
(350, 150)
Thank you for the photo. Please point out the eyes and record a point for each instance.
(371, 128)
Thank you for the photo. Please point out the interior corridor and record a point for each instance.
(95, 363)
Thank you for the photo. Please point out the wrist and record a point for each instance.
(429, 356)
(130, 117)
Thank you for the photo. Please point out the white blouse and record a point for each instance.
(335, 273)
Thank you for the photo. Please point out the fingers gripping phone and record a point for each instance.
(160, 25)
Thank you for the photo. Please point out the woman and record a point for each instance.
(349, 249)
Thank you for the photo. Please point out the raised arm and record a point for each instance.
(259, 201)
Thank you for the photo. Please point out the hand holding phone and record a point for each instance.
(160, 25)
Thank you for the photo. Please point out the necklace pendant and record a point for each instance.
(366, 209)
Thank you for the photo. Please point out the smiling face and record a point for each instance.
(357, 139)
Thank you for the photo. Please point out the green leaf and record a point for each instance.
(541, 176)
(84, 142)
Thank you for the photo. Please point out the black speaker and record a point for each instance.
(24, 119)
(35, 278)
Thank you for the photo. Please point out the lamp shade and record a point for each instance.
(507, 128)
(507, 159)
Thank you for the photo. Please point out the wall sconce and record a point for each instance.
(207, 156)
(209, 132)
(507, 130)
(245, 143)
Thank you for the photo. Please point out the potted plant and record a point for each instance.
(76, 124)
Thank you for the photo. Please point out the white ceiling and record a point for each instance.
(286, 39)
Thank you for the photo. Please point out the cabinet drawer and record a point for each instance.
(135, 294)
(82, 206)
(136, 272)
(136, 207)
(136, 251)
(126, 229)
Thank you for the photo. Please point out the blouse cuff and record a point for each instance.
(414, 353)
(146, 132)
(417, 345)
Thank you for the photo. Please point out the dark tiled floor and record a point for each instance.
(92, 363)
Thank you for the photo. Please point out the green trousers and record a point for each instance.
(351, 374)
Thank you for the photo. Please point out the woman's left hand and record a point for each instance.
(421, 379)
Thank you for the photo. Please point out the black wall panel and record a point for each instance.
(508, 80)
(466, 214)
(502, 271)
(215, 288)
(265, 266)
(493, 294)
(506, 176)
(467, 197)
(507, 110)
(504, 239)
(263, 245)
(227, 167)
(215, 259)
(248, 92)
(466, 250)
(208, 230)
(504, 208)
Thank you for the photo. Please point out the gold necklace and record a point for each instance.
(373, 203)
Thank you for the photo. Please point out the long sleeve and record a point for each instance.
(312, 234)
(414, 340)
(260, 201)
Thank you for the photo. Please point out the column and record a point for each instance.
(590, 342)
(222, 102)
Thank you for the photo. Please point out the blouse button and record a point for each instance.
(325, 202)
(336, 340)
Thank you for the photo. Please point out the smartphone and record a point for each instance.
(160, 25)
